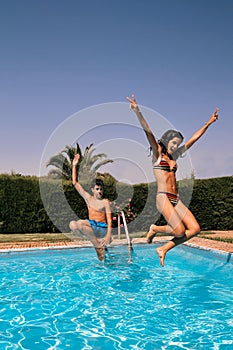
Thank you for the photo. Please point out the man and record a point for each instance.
(99, 225)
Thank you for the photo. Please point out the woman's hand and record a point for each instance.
(213, 117)
(133, 103)
(76, 159)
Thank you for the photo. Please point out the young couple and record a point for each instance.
(181, 223)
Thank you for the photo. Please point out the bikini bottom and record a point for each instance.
(173, 198)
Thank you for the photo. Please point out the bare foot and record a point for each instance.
(151, 234)
(100, 253)
(161, 255)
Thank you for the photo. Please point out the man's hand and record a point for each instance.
(106, 240)
(76, 159)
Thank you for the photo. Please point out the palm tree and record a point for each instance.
(91, 163)
(62, 162)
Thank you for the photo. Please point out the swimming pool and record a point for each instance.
(67, 299)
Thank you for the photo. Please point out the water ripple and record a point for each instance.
(67, 299)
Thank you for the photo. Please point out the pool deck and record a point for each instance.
(197, 242)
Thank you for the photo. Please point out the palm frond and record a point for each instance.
(56, 161)
(55, 174)
(104, 162)
(87, 167)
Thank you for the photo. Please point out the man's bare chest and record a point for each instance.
(97, 205)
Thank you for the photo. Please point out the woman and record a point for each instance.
(181, 223)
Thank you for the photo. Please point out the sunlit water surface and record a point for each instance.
(61, 299)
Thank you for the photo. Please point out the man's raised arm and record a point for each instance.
(75, 182)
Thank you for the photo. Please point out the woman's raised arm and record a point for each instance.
(199, 133)
(152, 141)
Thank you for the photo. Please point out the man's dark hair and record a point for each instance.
(97, 182)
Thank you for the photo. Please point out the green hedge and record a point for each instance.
(212, 203)
(22, 210)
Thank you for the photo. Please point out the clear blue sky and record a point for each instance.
(59, 57)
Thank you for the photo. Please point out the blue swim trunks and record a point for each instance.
(99, 228)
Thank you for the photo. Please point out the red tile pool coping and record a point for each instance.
(197, 242)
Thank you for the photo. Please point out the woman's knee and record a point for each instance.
(196, 229)
(179, 231)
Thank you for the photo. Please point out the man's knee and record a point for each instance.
(73, 225)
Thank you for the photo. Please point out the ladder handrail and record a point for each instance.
(126, 228)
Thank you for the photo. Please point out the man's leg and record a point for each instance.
(84, 227)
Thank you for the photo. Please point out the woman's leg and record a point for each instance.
(174, 225)
(192, 229)
(154, 229)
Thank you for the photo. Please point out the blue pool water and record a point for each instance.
(67, 299)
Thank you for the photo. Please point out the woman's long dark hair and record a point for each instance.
(166, 137)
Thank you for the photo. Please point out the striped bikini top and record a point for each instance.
(163, 165)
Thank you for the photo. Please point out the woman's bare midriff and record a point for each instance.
(166, 181)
